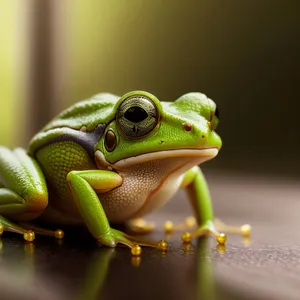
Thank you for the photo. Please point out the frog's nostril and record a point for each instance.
(187, 127)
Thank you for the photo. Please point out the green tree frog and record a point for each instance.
(109, 160)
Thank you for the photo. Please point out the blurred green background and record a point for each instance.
(9, 79)
(242, 54)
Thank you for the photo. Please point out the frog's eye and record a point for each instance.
(137, 116)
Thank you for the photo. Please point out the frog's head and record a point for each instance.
(142, 126)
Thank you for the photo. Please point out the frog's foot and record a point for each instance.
(58, 233)
(218, 230)
(208, 229)
(114, 237)
(140, 226)
(189, 223)
(7, 225)
(28, 230)
(244, 230)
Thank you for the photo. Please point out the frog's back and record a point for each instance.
(86, 114)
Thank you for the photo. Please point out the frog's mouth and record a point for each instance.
(199, 155)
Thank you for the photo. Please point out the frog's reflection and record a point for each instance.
(200, 267)
(203, 279)
(18, 278)
(95, 274)
(85, 272)
(22, 262)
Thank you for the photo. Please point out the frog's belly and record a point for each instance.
(136, 199)
(145, 188)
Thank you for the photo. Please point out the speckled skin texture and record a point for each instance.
(146, 187)
(56, 161)
(139, 183)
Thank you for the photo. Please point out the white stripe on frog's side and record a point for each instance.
(149, 181)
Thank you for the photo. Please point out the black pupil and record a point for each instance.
(135, 114)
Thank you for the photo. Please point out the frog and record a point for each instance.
(107, 160)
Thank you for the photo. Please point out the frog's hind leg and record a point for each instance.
(23, 191)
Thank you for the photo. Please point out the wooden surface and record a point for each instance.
(267, 267)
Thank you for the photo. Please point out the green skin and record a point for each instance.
(76, 173)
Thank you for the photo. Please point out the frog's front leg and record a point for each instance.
(84, 185)
(199, 196)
